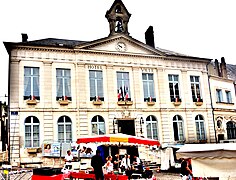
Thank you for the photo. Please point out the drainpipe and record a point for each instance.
(213, 116)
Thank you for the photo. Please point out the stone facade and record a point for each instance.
(116, 53)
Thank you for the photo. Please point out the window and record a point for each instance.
(228, 97)
(200, 129)
(219, 95)
(174, 87)
(231, 130)
(151, 124)
(64, 129)
(178, 128)
(148, 87)
(98, 125)
(123, 86)
(96, 85)
(195, 89)
(63, 84)
(31, 83)
(119, 25)
(31, 132)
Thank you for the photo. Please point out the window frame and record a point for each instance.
(34, 78)
(98, 94)
(149, 84)
(228, 97)
(64, 121)
(200, 127)
(100, 125)
(219, 96)
(64, 95)
(152, 121)
(123, 86)
(176, 91)
(34, 123)
(196, 92)
(179, 135)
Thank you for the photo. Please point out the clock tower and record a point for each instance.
(118, 18)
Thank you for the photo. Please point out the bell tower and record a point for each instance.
(118, 18)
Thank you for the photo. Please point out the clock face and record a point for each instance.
(120, 46)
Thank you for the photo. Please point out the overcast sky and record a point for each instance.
(201, 28)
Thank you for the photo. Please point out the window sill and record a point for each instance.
(150, 103)
(63, 102)
(123, 103)
(97, 103)
(32, 150)
(176, 103)
(202, 141)
(198, 103)
(31, 102)
(228, 103)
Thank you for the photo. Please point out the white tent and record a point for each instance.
(211, 160)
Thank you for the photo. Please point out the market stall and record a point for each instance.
(211, 160)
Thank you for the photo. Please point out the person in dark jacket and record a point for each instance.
(97, 164)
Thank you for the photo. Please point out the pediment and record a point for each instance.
(120, 44)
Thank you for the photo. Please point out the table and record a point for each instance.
(54, 177)
(80, 175)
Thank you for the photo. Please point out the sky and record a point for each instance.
(201, 28)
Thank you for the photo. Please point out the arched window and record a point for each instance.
(31, 132)
(231, 130)
(178, 128)
(151, 124)
(64, 129)
(118, 9)
(98, 125)
(200, 128)
(119, 25)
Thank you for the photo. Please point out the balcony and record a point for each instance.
(198, 103)
(151, 103)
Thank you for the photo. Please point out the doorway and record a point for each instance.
(126, 127)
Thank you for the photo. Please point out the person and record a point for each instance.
(109, 165)
(68, 159)
(185, 170)
(125, 163)
(97, 164)
(138, 163)
(116, 161)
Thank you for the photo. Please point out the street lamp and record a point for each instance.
(141, 122)
(114, 122)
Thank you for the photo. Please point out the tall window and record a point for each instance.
(31, 83)
(148, 87)
(96, 85)
(195, 88)
(178, 128)
(64, 129)
(174, 87)
(63, 84)
(219, 95)
(98, 125)
(200, 129)
(231, 130)
(31, 132)
(151, 123)
(228, 97)
(123, 86)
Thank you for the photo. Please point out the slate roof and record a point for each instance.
(231, 71)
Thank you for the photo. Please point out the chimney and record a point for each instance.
(217, 68)
(24, 37)
(149, 36)
(223, 68)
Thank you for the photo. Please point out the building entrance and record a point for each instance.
(126, 127)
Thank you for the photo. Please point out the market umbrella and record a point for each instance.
(118, 138)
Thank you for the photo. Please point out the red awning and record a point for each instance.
(118, 138)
